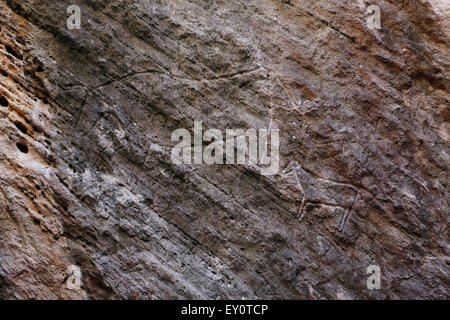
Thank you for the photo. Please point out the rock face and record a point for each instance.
(87, 180)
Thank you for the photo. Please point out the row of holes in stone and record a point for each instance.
(22, 148)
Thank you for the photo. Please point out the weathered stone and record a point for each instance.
(86, 177)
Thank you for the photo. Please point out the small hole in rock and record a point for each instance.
(3, 102)
(20, 40)
(12, 52)
(3, 72)
(39, 69)
(21, 127)
(23, 148)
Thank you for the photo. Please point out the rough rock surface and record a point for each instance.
(86, 177)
